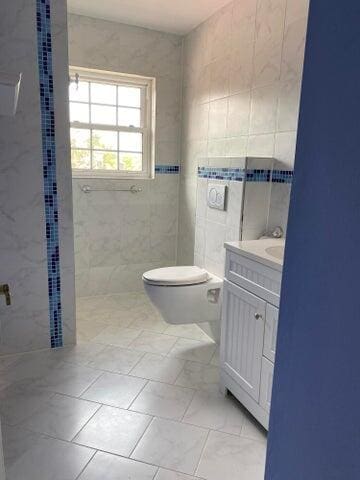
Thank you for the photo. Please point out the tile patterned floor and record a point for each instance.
(136, 399)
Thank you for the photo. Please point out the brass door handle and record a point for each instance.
(5, 290)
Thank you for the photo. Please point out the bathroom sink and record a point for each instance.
(276, 251)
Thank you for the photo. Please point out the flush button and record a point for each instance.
(216, 196)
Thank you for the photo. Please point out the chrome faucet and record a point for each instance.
(278, 232)
(5, 290)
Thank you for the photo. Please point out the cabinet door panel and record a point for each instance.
(271, 325)
(267, 374)
(243, 337)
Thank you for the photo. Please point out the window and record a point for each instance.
(112, 122)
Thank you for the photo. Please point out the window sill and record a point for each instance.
(112, 175)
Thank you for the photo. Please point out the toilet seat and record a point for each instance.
(176, 276)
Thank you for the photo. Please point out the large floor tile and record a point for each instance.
(113, 430)
(170, 475)
(153, 342)
(215, 411)
(69, 379)
(115, 390)
(158, 367)
(80, 354)
(216, 357)
(198, 376)
(149, 321)
(7, 360)
(171, 445)
(30, 366)
(121, 337)
(119, 319)
(253, 430)
(21, 400)
(88, 304)
(161, 400)
(16, 441)
(193, 350)
(86, 331)
(232, 458)
(191, 331)
(49, 459)
(61, 417)
(110, 467)
(115, 359)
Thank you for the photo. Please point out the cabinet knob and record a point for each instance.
(258, 316)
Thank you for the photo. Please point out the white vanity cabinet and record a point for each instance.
(248, 330)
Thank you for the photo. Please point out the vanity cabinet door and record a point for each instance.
(271, 325)
(242, 337)
(267, 375)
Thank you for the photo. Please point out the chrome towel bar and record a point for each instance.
(132, 189)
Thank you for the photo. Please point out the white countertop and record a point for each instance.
(256, 250)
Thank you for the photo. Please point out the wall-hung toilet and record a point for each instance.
(186, 295)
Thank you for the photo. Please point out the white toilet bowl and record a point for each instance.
(185, 294)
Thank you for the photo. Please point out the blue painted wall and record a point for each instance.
(315, 417)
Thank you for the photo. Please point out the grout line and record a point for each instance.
(187, 408)
(92, 416)
(202, 453)
(142, 436)
(156, 474)
(88, 463)
(140, 392)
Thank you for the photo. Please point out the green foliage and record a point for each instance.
(127, 163)
(102, 160)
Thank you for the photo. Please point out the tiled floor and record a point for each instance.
(136, 399)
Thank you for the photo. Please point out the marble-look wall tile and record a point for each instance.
(270, 19)
(279, 206)
(214, 227)
(118, 236)
(246, 63)
(264, 103)
(23, 256)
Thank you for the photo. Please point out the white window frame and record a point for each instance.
(148, 110)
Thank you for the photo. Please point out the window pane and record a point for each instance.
(131, 162)
(80, 159)
(104, 140)
(129, 117)
(79, 92)
(129, 96)
(103, 115)
(80, 138)
(104, 160)
(103, 93)
(79, 112)
(130, 141)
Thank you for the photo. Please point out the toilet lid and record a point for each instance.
(176, 276)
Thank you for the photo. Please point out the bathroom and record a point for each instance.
(119, 266)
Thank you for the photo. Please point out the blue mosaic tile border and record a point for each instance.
(167, 169)
(258, 175)
(241, 174)
(235, 174)
(282, 176)
(43, 25)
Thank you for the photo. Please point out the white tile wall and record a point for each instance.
(243, 66)
(214, 227)
(119, 236)
(25, 325)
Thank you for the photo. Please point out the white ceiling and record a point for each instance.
(175, 16)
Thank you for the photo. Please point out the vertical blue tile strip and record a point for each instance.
(43, 24)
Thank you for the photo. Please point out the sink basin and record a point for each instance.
(277, 251)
